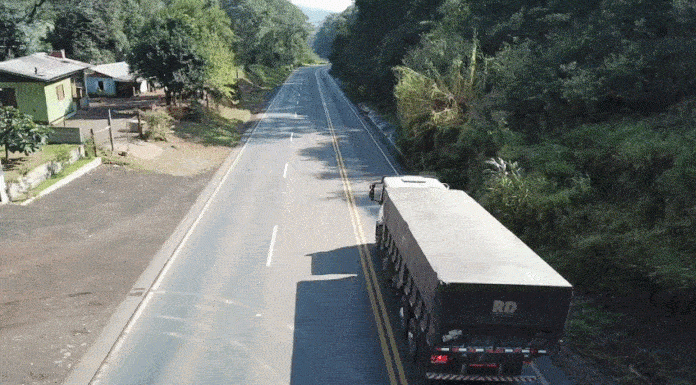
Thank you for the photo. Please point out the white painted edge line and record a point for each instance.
(69, 178)
(89, 366)
(285, 171)
(272, 246)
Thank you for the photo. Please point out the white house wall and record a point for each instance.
(143, 86)
(94, 90)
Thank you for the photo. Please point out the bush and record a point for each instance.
(159, 122)
(269, 77)
(194, 113)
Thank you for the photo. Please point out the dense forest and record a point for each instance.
(197, 44)
(574, 122)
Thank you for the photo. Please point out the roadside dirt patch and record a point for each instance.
(174, 157)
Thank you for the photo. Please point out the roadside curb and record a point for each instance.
(69, 178)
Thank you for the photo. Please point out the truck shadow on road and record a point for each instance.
(335, 339)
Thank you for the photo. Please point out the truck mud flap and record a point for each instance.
(468, 377)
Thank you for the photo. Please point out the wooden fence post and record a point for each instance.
(140, 127)
(94, 141)
(111, 132)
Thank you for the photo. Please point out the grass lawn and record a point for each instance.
(214, 127)
(19, 164)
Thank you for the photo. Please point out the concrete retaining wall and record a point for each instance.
(3, 188)
(66, 135)
(20, 189)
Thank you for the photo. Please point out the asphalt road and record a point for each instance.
(274, 282)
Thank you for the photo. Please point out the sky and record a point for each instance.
(329, 5)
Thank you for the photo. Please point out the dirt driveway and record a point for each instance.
(69, 259)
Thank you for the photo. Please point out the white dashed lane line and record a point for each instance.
(270, 248)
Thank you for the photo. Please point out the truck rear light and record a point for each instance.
(439, 359)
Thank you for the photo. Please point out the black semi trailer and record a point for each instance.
(477, 303)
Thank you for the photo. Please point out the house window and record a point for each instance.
(100, 85)
(7, 97)
(60, 92)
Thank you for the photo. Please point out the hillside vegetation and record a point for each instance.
(574, 122)
(186, 46)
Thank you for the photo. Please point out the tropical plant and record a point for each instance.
(19, 132)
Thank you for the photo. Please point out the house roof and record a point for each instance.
(42, 67)
(118, 71)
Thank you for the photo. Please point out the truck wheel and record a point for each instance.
(379, 242)
(405, 313)
(412, 345)
(386, 264)
(412, 335)
(415, 341)
(395, 279)
(379, 229)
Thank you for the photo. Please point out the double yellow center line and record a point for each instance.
(392, 358)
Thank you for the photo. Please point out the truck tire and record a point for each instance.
(412, 345)
(386, 263)
(395, 278)
(405, 314)
(379, 242)
(412, 335)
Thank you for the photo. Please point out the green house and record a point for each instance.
(48, 87)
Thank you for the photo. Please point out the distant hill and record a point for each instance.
(315, 15)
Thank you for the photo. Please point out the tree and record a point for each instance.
(10, 34)
(375, 40)
(273, 33)
(19, 132)
(95, 31)
(215, 39)
(168, 54)
(327, 32)
(21, 29)
(90, 30)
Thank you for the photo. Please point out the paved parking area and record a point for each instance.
(68, 259)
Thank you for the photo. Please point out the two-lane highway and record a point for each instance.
(267, 286)
(274, 282)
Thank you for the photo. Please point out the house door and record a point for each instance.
(7, 97)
